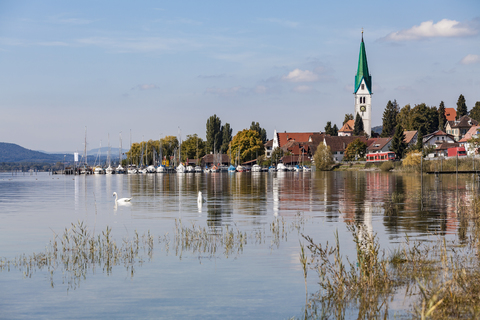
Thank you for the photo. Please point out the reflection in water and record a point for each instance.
(386, 204)
(337, 196)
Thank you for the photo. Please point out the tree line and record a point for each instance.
(246, 145)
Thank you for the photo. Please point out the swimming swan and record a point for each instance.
(121, 199)
(200, 198)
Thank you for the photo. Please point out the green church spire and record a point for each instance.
(362, 71)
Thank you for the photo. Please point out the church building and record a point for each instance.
(363, 91)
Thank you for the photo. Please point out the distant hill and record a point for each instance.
(377, 129)
(10, 152)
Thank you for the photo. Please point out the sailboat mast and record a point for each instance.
(109, 149)
(120, 152)
(85, 148)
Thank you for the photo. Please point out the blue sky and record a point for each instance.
(154, 67)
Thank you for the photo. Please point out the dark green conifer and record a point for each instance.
(442, 119)
(335, 130)
(475, 112)
(461, 107)
(389, 119)
(398, 142)
(328, 128)
(358, 129)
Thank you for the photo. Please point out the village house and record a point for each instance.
(472, 133)
(210, 160)
(302, 144)
(268, 148)
(442, 149)
(379, 145)
(437, 138)
(458, 128)
(347, 129)
(339, 144)
(410, 137)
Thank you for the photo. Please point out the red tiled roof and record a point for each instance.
(450, 114)
(436, 133)
(447, 145)
(464, 122)
(371, 141)
(470, 133)
(409, 135)
(284, 137)
(348, 126)
(340, 143)
(379, 144)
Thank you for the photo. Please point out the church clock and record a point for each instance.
(363, 108)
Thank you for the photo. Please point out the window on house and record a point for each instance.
(363, 86)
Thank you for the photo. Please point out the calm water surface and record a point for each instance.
(264, 281)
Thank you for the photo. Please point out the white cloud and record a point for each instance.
(303, 89)
(470, 59)
(428, 29)
(298, 75)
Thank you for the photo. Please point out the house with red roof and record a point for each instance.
(379, 145)
(297, 143)
(472, 133)
(339, 144)
(347, 129)
(458, 128)
(410, 137)
(437, 138)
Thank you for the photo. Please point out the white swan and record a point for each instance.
(200, 198)
(121, 199)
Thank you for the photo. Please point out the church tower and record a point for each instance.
(363, 91)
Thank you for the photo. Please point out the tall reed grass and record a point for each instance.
(438, 279)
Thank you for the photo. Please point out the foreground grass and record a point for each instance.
(80, 252)
(439, 279)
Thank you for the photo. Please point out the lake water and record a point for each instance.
(261, 280)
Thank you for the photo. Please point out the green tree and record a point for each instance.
(335, 130)
(398, 142)
(277, 154)
(169, 145)
(420, 133)
(144, 153)
(328, 128)
(348, 117)
(475, 112)
(226, 137)
(404, 119)
(355, 150)
(261, 131)
(214, 134)
(442, 119)
(323, 157)
(358, 128)
(247, 144)
(422, 115)
(461, 107)
(389, 119)
(193, 147)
